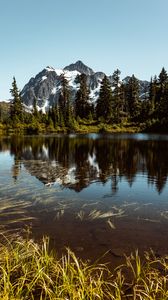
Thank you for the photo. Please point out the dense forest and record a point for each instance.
(118, 106)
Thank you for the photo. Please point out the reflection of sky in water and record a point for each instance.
(31, 188)
(135, 136)
(20, 178)
(139, 191)
(5, 161)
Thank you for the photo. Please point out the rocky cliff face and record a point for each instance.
(80, 67)
(45, 86)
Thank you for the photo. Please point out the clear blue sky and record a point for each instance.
(131, 35)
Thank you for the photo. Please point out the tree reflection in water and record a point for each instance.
(76, 161)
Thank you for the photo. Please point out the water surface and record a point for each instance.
(93, 193)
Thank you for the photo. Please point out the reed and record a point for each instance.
(31, 271)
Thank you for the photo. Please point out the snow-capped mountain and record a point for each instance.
(80, 67)
(45, 86)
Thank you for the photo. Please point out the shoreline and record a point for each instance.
(86, 129)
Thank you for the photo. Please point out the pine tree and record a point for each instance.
(163, 77)
(152, 95)
(164, 102)
(162, 93)
(64, 100)
(49, 116)
(132, 98)
(54, 115)
(82, 106)
(0, 114)
(16, 107)
(148, 102)
(123, 104)
(104, 102)
(35, 111)
(118, 100)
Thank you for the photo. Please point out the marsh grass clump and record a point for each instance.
(31, 271)
(148, 278)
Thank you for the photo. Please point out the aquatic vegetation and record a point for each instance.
(12, 212)
(59, 214)
(142, 206)
(31, 271)
(80, 215)
(90, 204)
(97, 214)
(149, 220)
(109, 222)
(164, 214)
(126, 204)
(94, 214)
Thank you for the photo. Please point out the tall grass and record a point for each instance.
(31, 271)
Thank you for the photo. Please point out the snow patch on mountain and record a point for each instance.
(50, 69)
(94, 94)
(54, 90)
(45, 86)
(45, 107)
(71, 77)
(44, 78)
(59, 72)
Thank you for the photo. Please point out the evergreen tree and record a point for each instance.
(0, 114)
(35, 111)
(148, 102)
(64, 100)
(104, 102)
(16, 106)
(164, 102)
(123, 103)
(152, 95)
(82, 106)
(54, 115)
(163, 77)
(118, 99)
(162, 94)
(132, 98)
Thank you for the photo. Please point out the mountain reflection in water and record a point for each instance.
(93, 193)
(77, 161)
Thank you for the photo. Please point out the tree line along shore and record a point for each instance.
(119, 108)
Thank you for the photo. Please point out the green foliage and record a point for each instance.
(118, 97)
(35, 111)
(64, 99)
(118, 103)
(82, 106)
(104, 102)
(132, 98)
(31, 271)
(16, 113)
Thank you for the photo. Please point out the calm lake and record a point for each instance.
(93, 193)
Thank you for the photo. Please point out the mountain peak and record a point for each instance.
(49, 68)
(80, 67)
